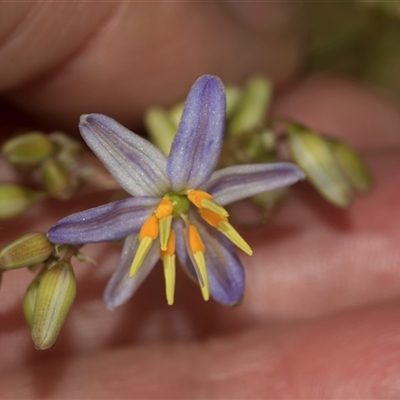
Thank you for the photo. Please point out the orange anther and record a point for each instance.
(195, 242)
(211, 217)
(149, 228)
(196, 196)
(170, 246)
(164, 208)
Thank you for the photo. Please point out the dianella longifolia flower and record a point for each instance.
(177, 203)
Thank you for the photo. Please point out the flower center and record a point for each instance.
(180, 204)
(159, 225)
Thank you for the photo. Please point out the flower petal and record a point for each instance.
(101, 224)
(225, 271)
(137, 165)
(121, 287)
(241, 181)
(197, 145)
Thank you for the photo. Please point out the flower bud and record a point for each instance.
(252, 108)
(233, 96)
(15, 199)
(175, 114)
(352, 165)
(57, 180)
(160, 128)
(55, 295)
(30, 249)
(28, 303)
(315, 157)
(28, 150)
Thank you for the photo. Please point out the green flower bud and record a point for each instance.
(315, 157)
(28, 303)
(15, 199)
(352, 165)
(233, 96)
(252, 108)
(175, 113)
(161, 128)
(28, 150)
(30, 249)
(67, 150)
(57, 180)
(55, 295)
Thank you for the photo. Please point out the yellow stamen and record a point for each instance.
(168, 258)
(197, 247)
(164, 208)
(169, 274)
(196, 196)
(148, 233)
(233, 235)
(223, 225)
(214, 207)
(202, 269)
(170, 249)
(211, 217)
(165, 230)
(143, 249)
(149, 228)
(195, 242)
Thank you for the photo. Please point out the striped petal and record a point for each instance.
(138, 166)
(112, 221)
(197, 145)
(121, 287)
(241, 181)
(225, 272)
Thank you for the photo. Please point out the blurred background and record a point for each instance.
(357, 38)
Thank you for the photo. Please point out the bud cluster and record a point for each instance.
(50, 166)
(50, 295)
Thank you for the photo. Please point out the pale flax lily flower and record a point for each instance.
(178, 201)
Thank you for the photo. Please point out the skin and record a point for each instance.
(320, 316)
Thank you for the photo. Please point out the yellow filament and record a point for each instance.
(165, 230)
(170, 249)
(143, 249)
(201, 271)
(169, 274)
(164, 208)
(214, 207)
(196, 196)
(232, 234)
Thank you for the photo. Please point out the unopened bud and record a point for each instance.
(57, 180)
(315, 157)
(233, 95)
(252, 108)
(30, 249)
(352, 165)
(28, 303)
(161, 128)
(28, 150)
(175, 113)
(55, 295)
(68, 149)
(15, 199)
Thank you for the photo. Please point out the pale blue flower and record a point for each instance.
(177, 201)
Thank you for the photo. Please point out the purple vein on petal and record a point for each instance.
(241, 181)
(197, 145)
(138, 166)
(121, 287)
(111, 221)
